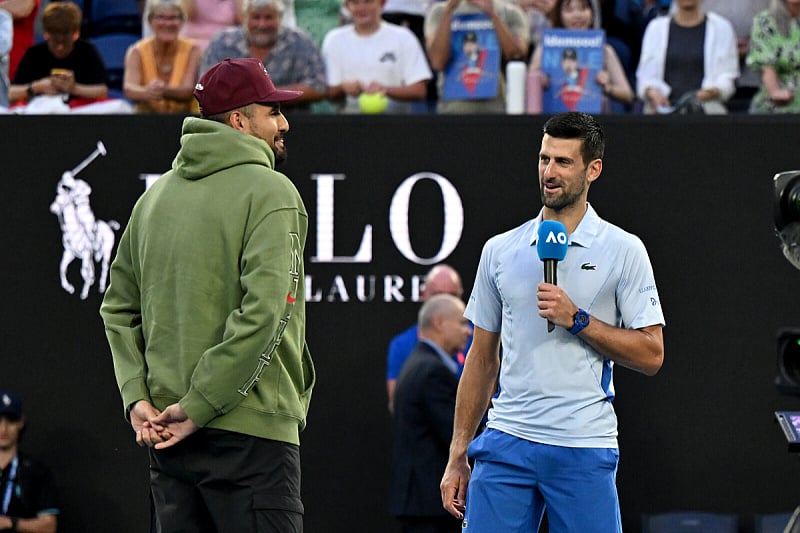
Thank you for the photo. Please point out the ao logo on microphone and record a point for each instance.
(552, 240)
(556, 238)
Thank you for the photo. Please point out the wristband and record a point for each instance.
(14, 520)
(30, 92)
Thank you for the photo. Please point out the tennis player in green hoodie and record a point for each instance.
(205, 316)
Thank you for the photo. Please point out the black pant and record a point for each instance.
(430, 524)
(218, 481)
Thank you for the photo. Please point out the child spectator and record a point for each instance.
(370, 56)
(63, 66)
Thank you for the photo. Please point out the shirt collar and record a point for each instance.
(447, 359)
(583, 235)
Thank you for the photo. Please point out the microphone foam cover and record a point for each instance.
(552, 242)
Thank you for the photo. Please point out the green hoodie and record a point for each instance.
(206, 304)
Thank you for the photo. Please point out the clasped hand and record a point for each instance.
(355, 88)
(155, 89)
(160, 429)
(63, 82)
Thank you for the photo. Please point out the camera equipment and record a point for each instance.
(787, 379)
(790, 425)
(787, 226)
(786, 204)
(787, 214)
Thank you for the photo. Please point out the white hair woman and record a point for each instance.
(161, 70)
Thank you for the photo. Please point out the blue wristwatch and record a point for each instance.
(581, 321)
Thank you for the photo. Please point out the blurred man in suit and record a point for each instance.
(441, 279)
(424, 403)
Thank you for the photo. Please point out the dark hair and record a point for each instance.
(246, 110)
(555, 15)
(575, 125)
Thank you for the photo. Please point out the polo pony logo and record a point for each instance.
(83, 237)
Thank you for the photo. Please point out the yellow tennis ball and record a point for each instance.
(373, 103)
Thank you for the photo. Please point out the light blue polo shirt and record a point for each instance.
(554, 388)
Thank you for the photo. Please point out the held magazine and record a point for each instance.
(474, 68)
(571, 59)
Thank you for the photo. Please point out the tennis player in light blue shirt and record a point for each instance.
(551, 438)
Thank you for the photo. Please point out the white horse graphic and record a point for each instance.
(83, 237)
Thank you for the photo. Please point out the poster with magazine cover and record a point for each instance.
(571, 59)
(474, 68)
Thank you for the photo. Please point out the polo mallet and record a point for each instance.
(100, 150)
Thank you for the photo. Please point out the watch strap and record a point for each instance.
(581, 320)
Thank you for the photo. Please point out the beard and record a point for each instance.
(566, 198)
(272, 141)
(280, 156)
(262, 39)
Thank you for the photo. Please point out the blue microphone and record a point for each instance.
(551, 245)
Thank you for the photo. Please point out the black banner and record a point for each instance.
(388, 197)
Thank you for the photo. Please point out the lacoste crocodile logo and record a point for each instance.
(588, 266)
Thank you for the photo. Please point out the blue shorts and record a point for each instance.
(514, 480)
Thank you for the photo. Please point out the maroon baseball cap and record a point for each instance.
(234, 83)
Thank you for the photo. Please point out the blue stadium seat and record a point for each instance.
(112, 16)
(112, 48)
(771, 523)
(690, 522)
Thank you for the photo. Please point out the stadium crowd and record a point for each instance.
(401, 56)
